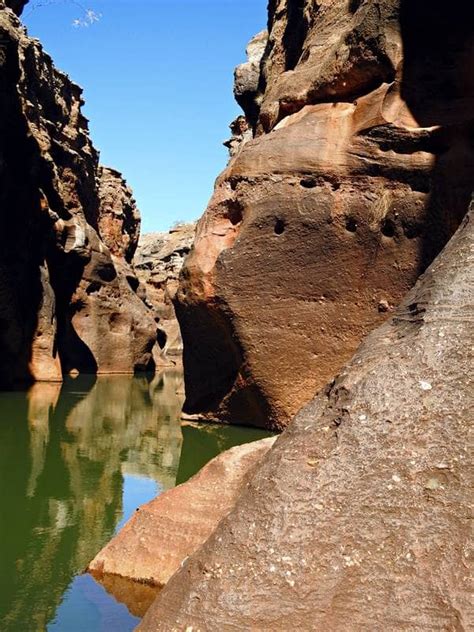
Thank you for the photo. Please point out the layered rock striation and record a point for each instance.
(158, 262)
(68, 230)
(359, 517)
(359, 171)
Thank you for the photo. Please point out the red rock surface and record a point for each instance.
(360, 170)
(155, 542)
(359, 517)
(119, 217)
(67, 291)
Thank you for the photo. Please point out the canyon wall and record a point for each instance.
(360, 168)
(158, 263)
(68, 231)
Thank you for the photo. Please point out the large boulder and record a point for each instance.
(360, 170)
(359, 517)
(68, 297)
(162, 534)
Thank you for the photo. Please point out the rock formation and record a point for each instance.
(158, 262)
(246, 84)
(360, 170)
(358, 518)
(119, 219)
(68, 297)
(163, 533)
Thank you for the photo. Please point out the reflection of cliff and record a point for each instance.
(203, 442)
(62, 455)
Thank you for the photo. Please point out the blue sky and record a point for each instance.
(157, 76)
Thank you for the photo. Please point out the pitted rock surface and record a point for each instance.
(359, 172)
(359, 517)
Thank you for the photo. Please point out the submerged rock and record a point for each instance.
(158, 262)
(358, 518)
(68, 229)
(360, 170)
(163, 533)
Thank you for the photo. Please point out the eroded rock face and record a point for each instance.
(360, 170)
(119, 218)
(358, 518)
(163, 533)
(158, 262)
(67, 299)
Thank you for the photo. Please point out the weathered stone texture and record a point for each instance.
(322, 222)
(358, 518)
(119, 217)
(65, 302)
(158, 262)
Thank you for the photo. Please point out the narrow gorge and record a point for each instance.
(260, 420)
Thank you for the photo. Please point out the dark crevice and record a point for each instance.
(351, 224)
(438, 47)
(295, 33)
(279, 227)
(161, 338)
(388, 228)
(23, 230)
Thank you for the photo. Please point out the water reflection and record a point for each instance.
(64, 453)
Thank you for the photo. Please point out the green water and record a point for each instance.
(76, 460)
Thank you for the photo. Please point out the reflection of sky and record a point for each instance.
(137, 490)
(88, 606)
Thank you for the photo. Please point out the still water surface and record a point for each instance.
(76, 460)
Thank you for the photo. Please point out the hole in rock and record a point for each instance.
(161, 338)
(354, 5)
(388, 228)
(295, 33)
(308, 183)
(351, 225)
(412, 230)
(106, 271)
(279, 227)
(234, 213)
(93, 287)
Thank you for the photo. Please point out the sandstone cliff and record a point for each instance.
(360, 169)
(158, 262)
(68, 229)
(358, 518)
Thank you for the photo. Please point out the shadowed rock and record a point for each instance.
(68, 230)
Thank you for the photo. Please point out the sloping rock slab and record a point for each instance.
(163, 533)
